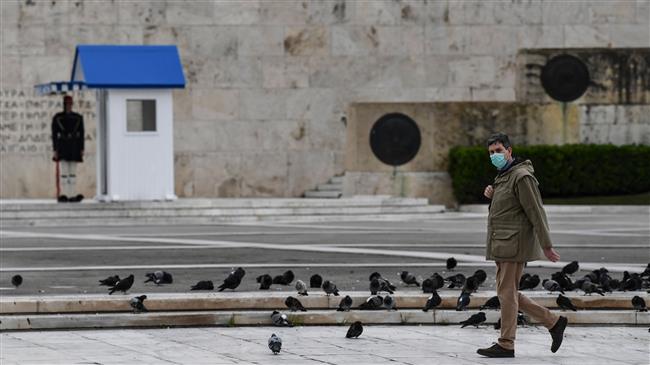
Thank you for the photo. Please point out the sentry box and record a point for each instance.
(135, 144)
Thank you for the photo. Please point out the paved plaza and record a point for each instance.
(68, 260)
(424, 345)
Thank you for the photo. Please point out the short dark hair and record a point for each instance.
(499, 138)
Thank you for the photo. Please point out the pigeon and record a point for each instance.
(521, 321)
(379, 285)
(355, 330)
(492, 303)
(285, 279)
(137, 303)
(435, 282)
(280, 319)
(123, 285)
(233, 280)
(389, 303)
(552, 285)
(159, 277)
(592, 276)
(610, 284)
(639, 304)
(456, 281)
(275, 344)
(428, 286)
(480, 276)
(378, 276)
(522, 279)
(203, 285)
(288, 276)
(631, 282)
(588, 287)
(497, 326)
(571, 268)
(451, 263)
(330, 288)
(531, 282)
(565, 303)
(563, 279)
(301, 287)
(316, 281)
(471, 285)
(408, 278)
(372, 303)
(646, 272)
(345, 304)
(110, 281)
(294, 304)
(433, 301)
(16, 280)
(474, 320)
(265, 281)
(463, 301)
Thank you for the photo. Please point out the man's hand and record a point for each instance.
(489, 191)
(551, 254)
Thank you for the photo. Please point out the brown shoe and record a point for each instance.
(496, 351)
(557, 333)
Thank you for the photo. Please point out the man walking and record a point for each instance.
(68, 145)
(517, 233)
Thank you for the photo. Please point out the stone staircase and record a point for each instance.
(254, 309)
(333, 189)
(211, 211)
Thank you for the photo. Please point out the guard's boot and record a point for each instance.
(62, 199)
(557, 333)
(496, 351)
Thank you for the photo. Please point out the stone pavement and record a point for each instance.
(321, 345)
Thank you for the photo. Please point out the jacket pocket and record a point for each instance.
(505, 243)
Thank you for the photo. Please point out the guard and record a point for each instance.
(68, 145)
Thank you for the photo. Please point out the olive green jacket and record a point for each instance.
(517, 225)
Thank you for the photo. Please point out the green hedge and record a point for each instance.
(562, 171)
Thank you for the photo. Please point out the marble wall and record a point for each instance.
(269, 82)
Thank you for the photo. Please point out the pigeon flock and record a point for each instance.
(598, 282)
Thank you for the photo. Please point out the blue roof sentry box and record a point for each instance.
(128, 66)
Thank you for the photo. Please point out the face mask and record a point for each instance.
(498, 160)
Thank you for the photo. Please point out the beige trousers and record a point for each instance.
(508, 275)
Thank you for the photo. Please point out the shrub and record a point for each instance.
(562, 171)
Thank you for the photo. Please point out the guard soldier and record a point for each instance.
(68, 145)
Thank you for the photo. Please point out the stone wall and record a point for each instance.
(268, 82)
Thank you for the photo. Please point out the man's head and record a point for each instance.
(500, 149)
(67, 103)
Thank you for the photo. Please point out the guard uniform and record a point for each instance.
(68, 143)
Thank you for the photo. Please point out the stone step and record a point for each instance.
(336, 180)
(198, 212)
(569, 209)
(95, 303)
(7, 206)
(203, 220)
(311, 317)
(323, 194)
(330, 187)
